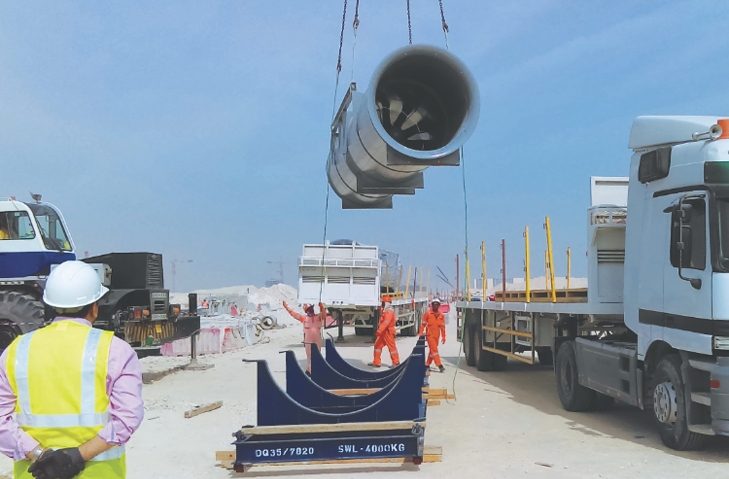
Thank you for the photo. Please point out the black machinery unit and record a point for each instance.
(137, 307)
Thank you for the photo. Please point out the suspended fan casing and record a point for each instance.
(428, 106)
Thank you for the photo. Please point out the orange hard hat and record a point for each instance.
(386, 299)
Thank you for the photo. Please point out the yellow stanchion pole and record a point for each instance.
(407, 284)
(399, 280)
(551, 260)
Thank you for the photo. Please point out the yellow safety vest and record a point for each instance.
(58, 374)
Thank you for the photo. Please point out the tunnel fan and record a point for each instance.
(406, 118)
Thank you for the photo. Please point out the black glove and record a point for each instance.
(58, 464)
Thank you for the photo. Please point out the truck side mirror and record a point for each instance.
(683, 245)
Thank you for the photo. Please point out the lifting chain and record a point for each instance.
(355, 25)
(443, 22)
(339, 59)
(410, 28)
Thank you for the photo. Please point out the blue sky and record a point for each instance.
(200, 129)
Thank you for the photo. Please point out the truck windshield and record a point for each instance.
(723, 227)
(15, 225)
(51, 228)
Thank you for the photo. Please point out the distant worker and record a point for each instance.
(204, 303)
(434, 324)
(233, 310)
(70, 394)
(312, 327)
(386, 334)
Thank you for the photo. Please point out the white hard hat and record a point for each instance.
(73, 284)
(436, 300)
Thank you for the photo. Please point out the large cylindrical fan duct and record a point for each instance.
(421, 106)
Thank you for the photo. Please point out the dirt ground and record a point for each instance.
(502, 425)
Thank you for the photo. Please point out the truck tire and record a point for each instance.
(498, 362)
(572, 394)
(468, 345)
(669, 406)
(482, 358)
(18, 309)
(545, 356)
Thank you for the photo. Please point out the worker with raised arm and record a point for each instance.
(70, 394)
(434, 326)
(312, 327)
(386, 334)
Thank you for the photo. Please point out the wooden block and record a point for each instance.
(203, 408)
(316, 428)
(225, 455)
(433, 402)
(353, 392)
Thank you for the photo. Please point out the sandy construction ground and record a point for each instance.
(507, 424)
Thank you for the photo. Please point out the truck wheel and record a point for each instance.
(468, 346)
(16, 309)
(481, 357)
(498, 362)
(669, 406)
(545, 356)
(572, 394)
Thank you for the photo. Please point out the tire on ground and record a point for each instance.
(545, 356)
(481, 357)
(572, 394)
(468, 344)
(498, 362)
(677, 435)
(18, 309)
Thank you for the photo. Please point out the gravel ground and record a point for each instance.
(503, 425)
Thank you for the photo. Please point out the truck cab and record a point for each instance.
(677, 283)
(33, 236)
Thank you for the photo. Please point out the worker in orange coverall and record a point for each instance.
(386, 334)
(434, 324)
(312, 326)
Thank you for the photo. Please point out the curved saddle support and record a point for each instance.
(338, 363)
(306, 392)
(403, 402)
(327, 377)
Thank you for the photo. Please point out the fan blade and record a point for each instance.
(412, 120)
(423, 136)
(395, 109)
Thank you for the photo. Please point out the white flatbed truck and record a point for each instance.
(653, 330)
(347, 278)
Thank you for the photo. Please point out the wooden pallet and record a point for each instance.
(431, 454)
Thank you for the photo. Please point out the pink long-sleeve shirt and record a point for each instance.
(123, 385)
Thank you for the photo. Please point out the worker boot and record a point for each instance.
(441, 368)
(374, 365)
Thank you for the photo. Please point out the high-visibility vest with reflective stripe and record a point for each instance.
(58, 374)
